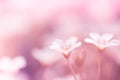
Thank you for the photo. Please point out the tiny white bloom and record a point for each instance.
(43, 58)
(12, 65)
(102, 41)
(65, 46)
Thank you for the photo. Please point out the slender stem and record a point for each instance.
(71, 68)
(99, 68)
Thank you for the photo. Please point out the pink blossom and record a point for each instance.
(65, 47)
(102, 41)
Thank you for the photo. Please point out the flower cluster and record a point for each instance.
(100, 41)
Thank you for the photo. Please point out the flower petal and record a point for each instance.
(19, 62)
(55, 47)
(106, 37)
(56, 44)
(75, 46)
(94, 36)
(113, 43)
(71, 40)
(88, 40)
(4, 63)
(58, 41)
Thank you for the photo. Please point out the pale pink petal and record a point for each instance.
(75, 45)
(65, 47)
(45, 56)
(4, 63)
(88, 40)
(71, 40)
(59, 42)
(56, 44)
(55, 47)
(19, 62)
(94, 36)
(106, 37)
(113, 43)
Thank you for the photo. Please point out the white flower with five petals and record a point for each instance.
(65, 46)
(102, 41)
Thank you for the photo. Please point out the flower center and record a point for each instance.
(101, 42)
(66, 47)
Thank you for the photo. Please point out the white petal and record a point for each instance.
(42, 56)
(94, 36)
(52, 47)
(88, 40)
(106, 37)
(58, 41)
(19, 62)
(75, 46)
(56, 44)
(4, 63)
(71, 40)
(55, 47)
(113, 43)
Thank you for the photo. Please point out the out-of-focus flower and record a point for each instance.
(65, 47)
(45, 56)
(4, 76)
(102, 41)
(12, 65)
(18, 76)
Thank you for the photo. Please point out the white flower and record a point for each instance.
(102, 41)
(42, 56)
(12, 65)
(67, 46)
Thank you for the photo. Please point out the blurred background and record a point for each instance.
(27, 28)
